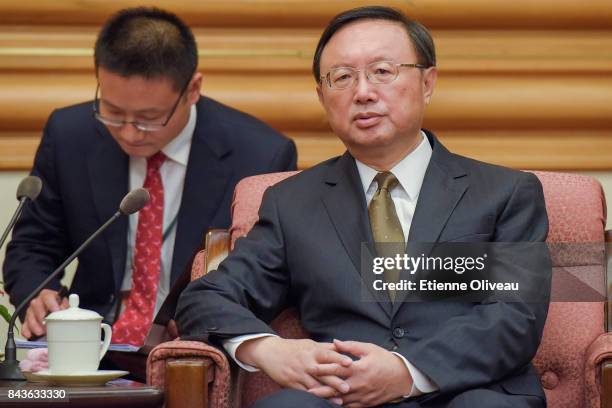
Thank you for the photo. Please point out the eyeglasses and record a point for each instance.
(379, 72)
(138, 124)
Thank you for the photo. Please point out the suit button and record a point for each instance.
(112, 298)
(394, 348)
(398, 332)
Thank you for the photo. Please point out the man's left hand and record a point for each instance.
(379, 376)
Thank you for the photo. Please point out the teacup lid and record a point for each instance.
(74, 312)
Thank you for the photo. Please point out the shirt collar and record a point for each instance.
(410, 171)
(179, 147)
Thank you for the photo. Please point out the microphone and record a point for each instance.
(28, 189)
(134, 201)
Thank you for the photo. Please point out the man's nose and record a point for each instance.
(365, 90)
(130, 133)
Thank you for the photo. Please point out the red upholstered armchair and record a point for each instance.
(572, 359)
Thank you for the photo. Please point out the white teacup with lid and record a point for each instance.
(73, 337)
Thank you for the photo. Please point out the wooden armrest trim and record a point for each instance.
(187, 383)
(217, 245)
(606, 383)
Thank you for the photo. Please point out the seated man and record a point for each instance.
(148, 125)
(375, 71)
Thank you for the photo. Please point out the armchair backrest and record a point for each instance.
(576, 212)
(577, 215)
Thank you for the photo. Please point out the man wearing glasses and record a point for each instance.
(148, 126)
(375, 72)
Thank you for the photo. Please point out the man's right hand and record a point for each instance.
(46, 302)
(295, 363)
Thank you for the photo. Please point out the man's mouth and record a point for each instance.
(367, 119)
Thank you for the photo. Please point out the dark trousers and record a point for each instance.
(481, 398)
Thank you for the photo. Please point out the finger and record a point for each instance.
(352, 400)
(65, 304)
(298, 386)
(336, 400)
(356, 348)
(336, 383)
(36, 310)
(35, 326)
(25, 330)
(331, 369)
(324, 392)
(357, 396)
(50, 300)
(324, 356)
(329, 346)
(309, 382)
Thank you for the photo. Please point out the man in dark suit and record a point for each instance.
(147, 104)
(376, 73)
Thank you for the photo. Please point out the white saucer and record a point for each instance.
(83, 378)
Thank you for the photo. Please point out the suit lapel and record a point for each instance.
(108, 168)
(443, 187)
(346, 206)
(206, 181)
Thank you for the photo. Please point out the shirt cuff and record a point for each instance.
(231, 345)
(421, 384)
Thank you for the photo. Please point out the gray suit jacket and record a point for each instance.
(305, 252)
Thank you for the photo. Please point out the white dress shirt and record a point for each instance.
(410, 173)
(172, 173)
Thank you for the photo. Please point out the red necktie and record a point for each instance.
(135, 321)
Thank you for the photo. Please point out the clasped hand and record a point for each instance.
(376, 377)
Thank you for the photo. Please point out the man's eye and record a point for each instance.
(113, 114)
(342, 78)
(149, 118)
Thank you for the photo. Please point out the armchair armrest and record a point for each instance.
(598, 372)
(194, 374)
(194, 364)
(600, 351)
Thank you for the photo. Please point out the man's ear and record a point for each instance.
(195, 88)
(429, 82)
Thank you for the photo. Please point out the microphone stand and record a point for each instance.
(13, 221)
(9, 368)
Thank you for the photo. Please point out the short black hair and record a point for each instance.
(418, 34)
(147, 42)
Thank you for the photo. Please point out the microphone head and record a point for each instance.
(134, 201)
(29, 188)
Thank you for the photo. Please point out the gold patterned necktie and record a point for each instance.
(386, 227)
